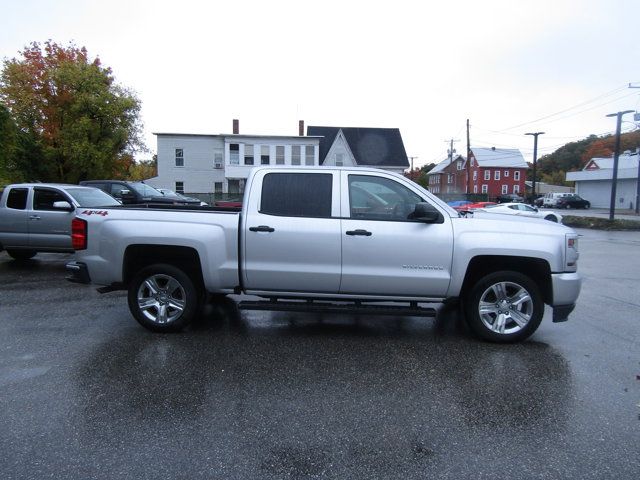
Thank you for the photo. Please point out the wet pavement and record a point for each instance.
(87, 393)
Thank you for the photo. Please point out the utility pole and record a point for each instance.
(451, 150)
(411, 158)
(616, 156)
(535, 158)
(468, 160)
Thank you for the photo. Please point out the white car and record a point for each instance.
(523, 210)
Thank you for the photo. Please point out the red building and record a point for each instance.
(492, 171)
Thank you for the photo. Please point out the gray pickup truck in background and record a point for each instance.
(36, 217)
(330, 239)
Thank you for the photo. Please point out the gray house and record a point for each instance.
(594, 181)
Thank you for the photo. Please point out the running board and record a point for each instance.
(349, 308)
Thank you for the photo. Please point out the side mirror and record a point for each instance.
(424, 212)
(63, 205)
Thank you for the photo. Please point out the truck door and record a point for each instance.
(291, 233)
(383, 251)
(49, 227)
(13, 219)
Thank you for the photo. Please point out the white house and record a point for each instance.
(221, 163)
(594, 181)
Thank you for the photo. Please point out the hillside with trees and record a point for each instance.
(575, 155)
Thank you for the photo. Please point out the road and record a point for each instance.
(86, 393)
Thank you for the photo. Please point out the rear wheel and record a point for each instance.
(22, 254)
(504, 307)
(162, 298)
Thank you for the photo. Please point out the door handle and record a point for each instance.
(34, 217)
(262, 228)
(364, 233)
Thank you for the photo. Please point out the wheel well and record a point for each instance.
(187, 259)
(535, 268)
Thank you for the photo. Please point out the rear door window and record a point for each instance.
(297, 194)
(17, 198)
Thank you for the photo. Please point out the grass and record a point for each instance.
(600, 223)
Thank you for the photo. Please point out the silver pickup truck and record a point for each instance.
(36, 217)
(329, 239)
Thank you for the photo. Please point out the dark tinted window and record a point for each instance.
(297, 194)
(17, 198)
(43, 199)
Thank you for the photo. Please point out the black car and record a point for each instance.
(510, 198)
(572, 201)
(135, 192)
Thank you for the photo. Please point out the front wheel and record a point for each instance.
(21, 255)
(504, 307)
(551, 218)
(162, 298)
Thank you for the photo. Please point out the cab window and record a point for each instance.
(43, 199)
(17, 198)
(378, 198)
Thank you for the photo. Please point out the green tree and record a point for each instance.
(74, 121)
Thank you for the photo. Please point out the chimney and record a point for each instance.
(236, 126)
(301, 128)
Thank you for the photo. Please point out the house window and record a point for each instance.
(475, 175)
(295, 155)
(217, 160)
(280, 155)
(234, 154)
(487, 174)
(308, 155)
(264, 155)
(217, 187)
(516, 175)
(297, 194)
(496, 175)
(505, 189)
(248, 154)
(506, 173)
(179, 157)
(516, 189)
(449, 178)
(179, 187)
(485, 188)
(339, 158)
(475, 189)
(459, 165)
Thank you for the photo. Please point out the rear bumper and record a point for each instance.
(78, 272)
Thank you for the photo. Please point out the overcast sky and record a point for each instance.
(423, 67)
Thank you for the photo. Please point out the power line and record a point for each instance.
(615, 90)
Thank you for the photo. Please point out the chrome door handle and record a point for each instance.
(34, 217)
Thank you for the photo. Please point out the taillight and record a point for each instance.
(79, 234)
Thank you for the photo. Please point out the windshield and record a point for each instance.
(91, 197)
(145, 190)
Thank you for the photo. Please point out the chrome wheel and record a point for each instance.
(161, 298)
(505, 307)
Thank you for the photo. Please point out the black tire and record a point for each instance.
(518, 321)
(21, 255)
(172, 299)
(587, 206)
(551, 218)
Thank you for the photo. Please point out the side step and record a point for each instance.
(348, 308)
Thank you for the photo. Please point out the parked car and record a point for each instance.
(459, 203)
(510, 198)
(36, 217)
(523, 210)
(550, 199)
(135, 192)
(573, 201)
(503, 269)
(473, 206)
(192, 200)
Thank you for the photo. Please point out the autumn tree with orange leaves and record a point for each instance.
(70, 120)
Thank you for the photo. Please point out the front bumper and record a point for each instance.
(78, 272)
(566, 289)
